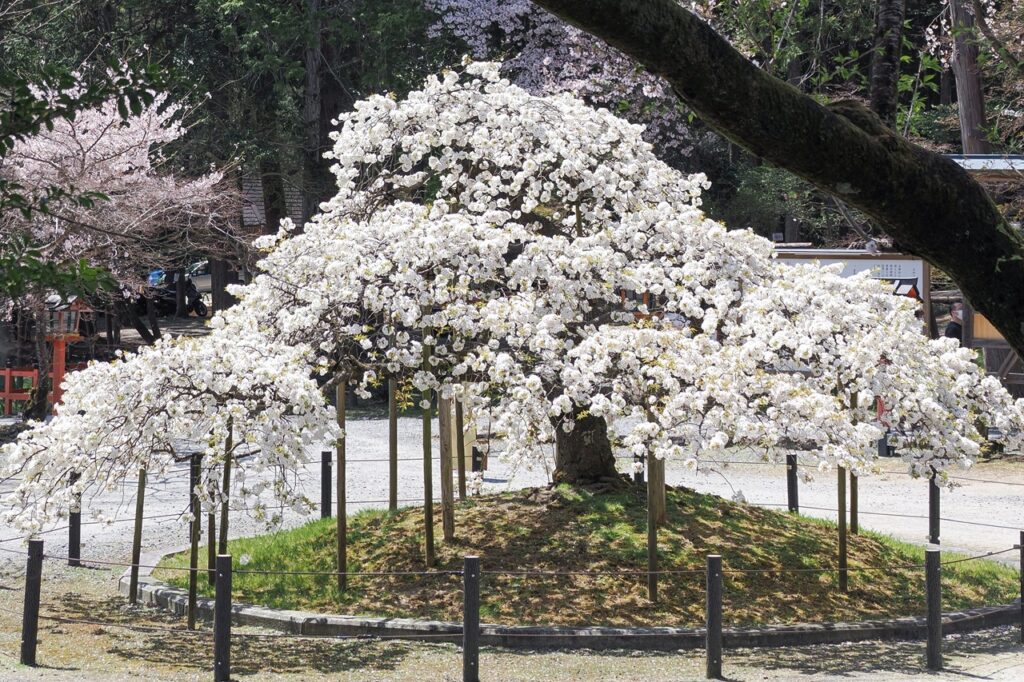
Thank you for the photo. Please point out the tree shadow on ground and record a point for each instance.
(159, 637)
(847, 659)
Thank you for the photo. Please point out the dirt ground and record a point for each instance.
(156, 647)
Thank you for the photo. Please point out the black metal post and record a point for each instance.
(222, 621)
(844, 583)
(933, 586)
(326, 479)
(792, 483)
(75, 526)
(471, 619)
(933, 510)
(713, 617)
(30, 614)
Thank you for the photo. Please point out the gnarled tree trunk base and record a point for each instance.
(584, 457)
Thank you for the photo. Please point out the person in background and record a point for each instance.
(955, 328)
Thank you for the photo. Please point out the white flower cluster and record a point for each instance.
(531, 256)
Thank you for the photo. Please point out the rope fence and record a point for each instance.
(470, 631)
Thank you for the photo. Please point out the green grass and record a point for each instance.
(569, 529)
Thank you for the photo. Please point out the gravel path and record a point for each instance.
(91, 652)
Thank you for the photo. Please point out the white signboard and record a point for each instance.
(908, 275)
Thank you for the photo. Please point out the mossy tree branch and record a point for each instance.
(923, 200)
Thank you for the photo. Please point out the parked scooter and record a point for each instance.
(165, 299)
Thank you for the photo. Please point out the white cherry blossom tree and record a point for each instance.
(483, 242)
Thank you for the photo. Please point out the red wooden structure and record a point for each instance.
(16, 386)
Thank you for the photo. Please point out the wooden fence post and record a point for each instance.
(326, 479)
(393, 444)
(194, 529)
(75, 525)
(713, 618)
(222, 621)
(471, 619)
(140, 505)
(30, 613)
(792, 484)
(933, 510)
(933, 586)
(843, 577)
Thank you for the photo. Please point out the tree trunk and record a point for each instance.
(221, 275)
(922, 199)
(969, 96)
(946, 87)
(128, 311)
(885, 61)
(311, 160)
(38, 405)
(152, 317)
(275, 205)
(180, 302)
(584, 455)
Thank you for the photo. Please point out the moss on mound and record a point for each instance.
(570, 530)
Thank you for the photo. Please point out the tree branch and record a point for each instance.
(925, 201)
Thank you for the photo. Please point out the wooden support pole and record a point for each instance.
(75, 525)
(428, 470)
(656, 489)
(933, 586)
(792, 484)
(222, 621)
(652, 541)
(30, 611)
(460, 447)
(854, 524)
(211, 547)
(444, 426)
(713, 618)
(194, 528)
(843, 577)
(225, 491)
(140, 505)
(471, 619)
(933, 510)
(326, 479)
(393, 444)
(1020, 548)
(339, 395)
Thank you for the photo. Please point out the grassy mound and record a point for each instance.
(569, 530)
